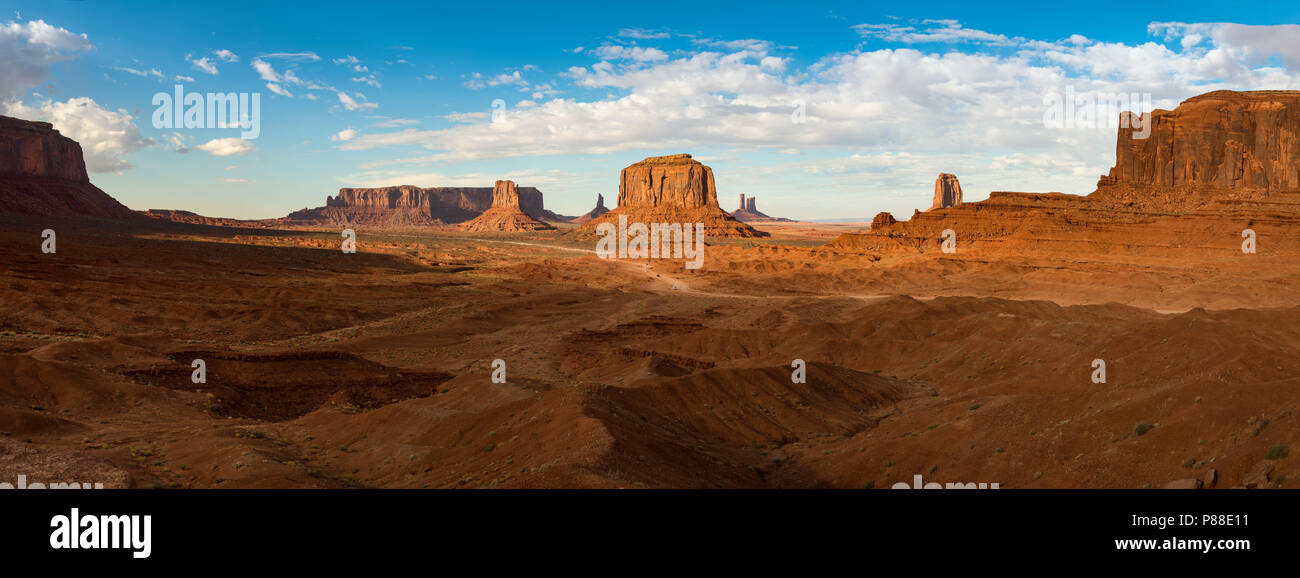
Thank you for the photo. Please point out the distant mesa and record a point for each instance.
(748, 212)
(947, 192)
(506, 212)
(411, 206)
(1217, 154)
(673, 189)
(43, 173)
(594, 213)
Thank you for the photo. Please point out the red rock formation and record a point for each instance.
(748, 212)
(1219, 160)
(883, 219)
(506, 213)
(43, 173)
(594, 213)
(673, 189)
(1219, 140)
(667, 181)
(947, 192)
(408, 205)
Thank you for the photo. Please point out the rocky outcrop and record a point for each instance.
(594, 213)
(408, 205)
(673, 189)
(1222, 140)
(748, 212)
(1218, 160)
(883, 219)
(506, 213)
(43, 173)
(947, 192)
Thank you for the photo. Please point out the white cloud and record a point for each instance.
(369, 79)
(280, 90)
(641, 33)
(202, 64)
(154, 72)
(28, 49)
(352, 104)
(278, 82)
(180, 78)
(292, 56)
(395, 122)
(980, 111)
(617, 52)
(225, 55)
(228, 180)
(178, 144)
(106, 136)
(223, 147)
(937, 31)
(344, 135)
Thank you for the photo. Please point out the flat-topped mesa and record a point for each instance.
(1201, 170)
(667, 181)
(43, 173)
(947, 192)
(673, 189)
(1223, 140)
(32, 148)
(506, 213)
(408, 205)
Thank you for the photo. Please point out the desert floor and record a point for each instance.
(374, 369)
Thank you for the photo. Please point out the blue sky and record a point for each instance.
(378, 94)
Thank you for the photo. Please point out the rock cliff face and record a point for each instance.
(43, 173)
(673, 189)
(947, 192)
(1236, 141)
(1219, 160)
(506, 213)
(667, 181)
(408, 205)
(594, 213)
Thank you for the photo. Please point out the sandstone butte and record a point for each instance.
(43, 173)
(748, 211)
(506, 212)
(409, 205)
(672, 189)
(947, 192)
(592, 214)
(1218, 162)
